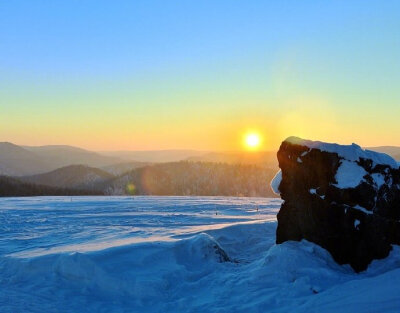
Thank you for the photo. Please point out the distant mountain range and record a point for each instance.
(19, 161)
(28, 160)
(15, 160)
(57, 170)
(59, 156)
(154, 156)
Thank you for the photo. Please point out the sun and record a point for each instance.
(252, 140)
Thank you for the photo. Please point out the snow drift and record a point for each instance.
(174, 254)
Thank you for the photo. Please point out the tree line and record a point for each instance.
(195, 179)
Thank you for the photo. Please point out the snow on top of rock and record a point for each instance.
(351, 152)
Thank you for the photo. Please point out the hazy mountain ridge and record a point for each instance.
(15, 160)
(18, 160)
(155, 156)
(57, 156)
(21, 161)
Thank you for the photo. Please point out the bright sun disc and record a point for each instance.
(252, 140)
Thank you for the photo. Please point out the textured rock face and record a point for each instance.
(343, 198)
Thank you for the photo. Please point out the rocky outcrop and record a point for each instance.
(343, 198)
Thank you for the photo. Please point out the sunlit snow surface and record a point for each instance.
(157, 254)
(44, 225)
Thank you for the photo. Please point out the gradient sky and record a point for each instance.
(135, 75)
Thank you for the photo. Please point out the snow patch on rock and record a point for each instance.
(364, 210)
(379, 179)
(276, 181)
(349, 175)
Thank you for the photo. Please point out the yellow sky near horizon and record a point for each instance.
(93, 122)
(308, 118)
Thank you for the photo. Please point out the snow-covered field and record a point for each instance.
(166, 254)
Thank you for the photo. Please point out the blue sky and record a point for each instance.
(87, 72)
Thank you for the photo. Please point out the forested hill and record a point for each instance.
(195, 178)
(175, 178)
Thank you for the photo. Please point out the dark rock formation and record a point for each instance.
(343, 198)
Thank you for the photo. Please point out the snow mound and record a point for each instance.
(200, 249)
(303, 266)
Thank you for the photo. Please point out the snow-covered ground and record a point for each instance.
(164, 254)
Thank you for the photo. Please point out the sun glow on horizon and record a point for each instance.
(252, 141)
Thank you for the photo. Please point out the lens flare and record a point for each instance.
(130, 189)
